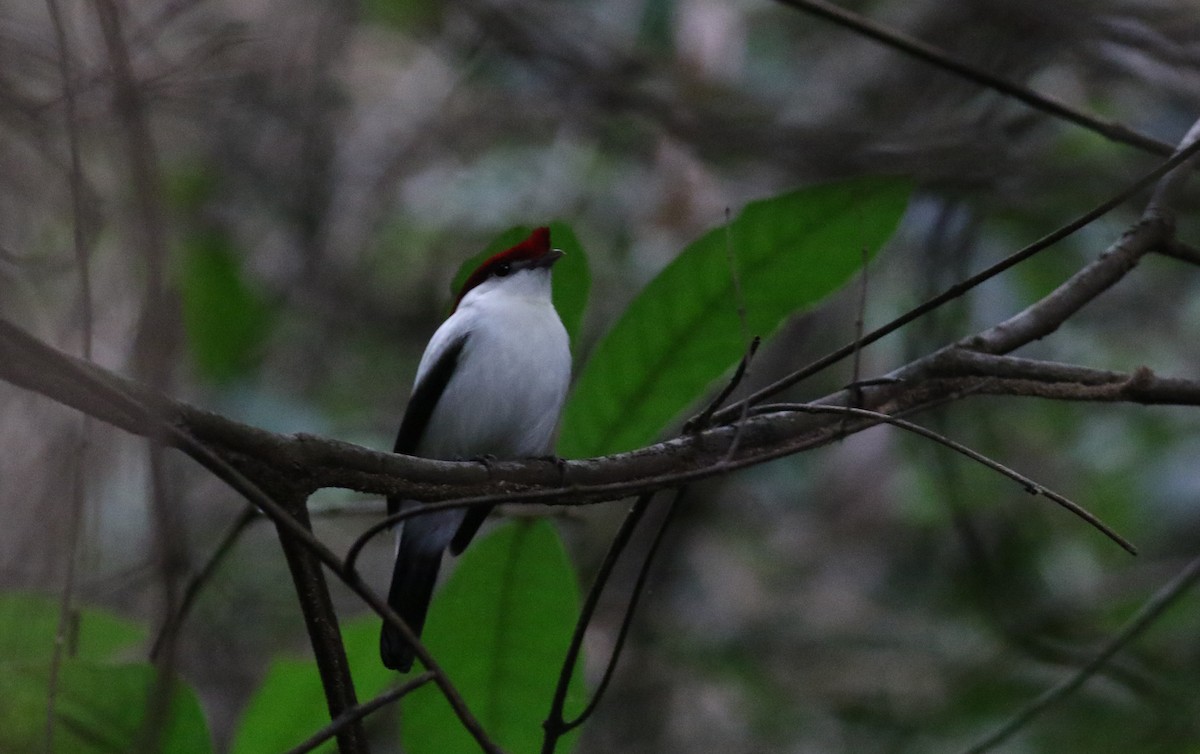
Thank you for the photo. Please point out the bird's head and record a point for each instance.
(522, 270)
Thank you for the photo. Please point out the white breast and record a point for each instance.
(507, 391)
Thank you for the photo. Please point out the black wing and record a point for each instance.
(424, 400)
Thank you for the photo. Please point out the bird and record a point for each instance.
(490, 385)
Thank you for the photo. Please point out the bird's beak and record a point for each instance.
(549, 258)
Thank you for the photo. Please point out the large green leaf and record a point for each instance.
(99, 707)
(571, 276)
(226, 320)
(290, 704)
(500, 628)
(682, 331)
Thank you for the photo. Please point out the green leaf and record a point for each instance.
(571, 276)
(500, 628)
(99, 709)
(29, 623)
(225, 319)
(682, 331)
(290, 705)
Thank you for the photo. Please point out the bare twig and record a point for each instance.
(83, 267)
(555, 725)
(749, 345)
(1030, 486)
(860, 320)
(313, 462)
(325, 635)
(198, 581)
(1176, 249)
(359, 712)
(1166, 193)
(943, 60)
(1159, 212)
(959, 289)
(110, 398)
(1145, 617)
(153, 360)
(704, 418)
(627, 621)
(854, 389)
(1154, 231)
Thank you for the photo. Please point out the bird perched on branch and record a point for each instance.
(491, 383)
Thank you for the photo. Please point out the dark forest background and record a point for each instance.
(317, 171)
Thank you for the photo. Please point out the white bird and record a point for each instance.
(491, 383)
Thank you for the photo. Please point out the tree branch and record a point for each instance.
(955, 291)
(1145, 617)
(237, 453)
(312, 462)
(154, 415)
(359, 712)
(312, 592)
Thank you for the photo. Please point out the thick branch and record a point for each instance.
(324, 633)
(1187, 152)
(312, 462)
(1045, 316)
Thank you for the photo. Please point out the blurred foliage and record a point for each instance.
(226, 321)
(101, 703)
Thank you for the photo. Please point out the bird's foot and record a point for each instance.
(559, 462)
(486, 460)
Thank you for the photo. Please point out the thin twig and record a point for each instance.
(554, 725)
(854, 396)
(123, 403)
(202, 576)
(1177, 249)
(626, 622)
(943, 60)
(360, 711)
(321, 624)
(739, 296)
(1143, 619)
(1167, 191)
(963, 287)
(860, 320)
(1030, 486)
(749, 346)
(314, 462)
(704, 418)
(82, 445)
(153, 347)
(232, 476)
(741, 421)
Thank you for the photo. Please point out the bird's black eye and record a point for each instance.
(502, 269)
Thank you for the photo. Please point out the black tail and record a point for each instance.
(412, 587)
(475, 517)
